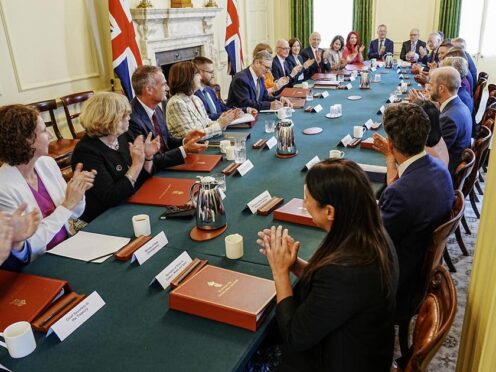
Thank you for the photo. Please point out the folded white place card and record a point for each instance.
(260, 200)
(349, 86)
(245, 167)
(150, 248)
(381, 110)
(373, 68)
(165, 277)
(401, 76)
(352, 78)
(346, 140)
(222, 194)
(398, 71)
(271, 142)
(368, 124)
(317, 108)
(325, 94)
(312, 162)
(76, 316)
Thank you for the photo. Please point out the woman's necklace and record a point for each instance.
(114, 145)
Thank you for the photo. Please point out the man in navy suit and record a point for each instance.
(315, 54)
(280, 66)
(455, 119)
(379, 47)
(147, 116)
(434, 41)
(410, 48)
(248, 89)
(415, 204)
(213, 105)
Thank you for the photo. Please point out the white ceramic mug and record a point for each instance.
(230, 152)
(234, 246)
(358, 131)
(19, 339)
(223, 145)
(141, 225)
(336, 154)
(304, 85)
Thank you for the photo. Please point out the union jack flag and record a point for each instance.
(125, 52)
(233, 40)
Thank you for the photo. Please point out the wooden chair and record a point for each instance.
(61, 148)
(479, 89)
(435, 318)
(73, 99)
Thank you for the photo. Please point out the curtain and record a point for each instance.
(449, 17)
(362, 22)
(302, 20)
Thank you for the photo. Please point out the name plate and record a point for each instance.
(258, 201)
(222, 194)
(349, 86)
(398, 71)
(352, 78)
(368, 124)
(312, 162)
(373, 68)
(325, 94)
(165, 277)
(245, 167)
(149, 249)
(381, 110)
(317, 108)
(346, 140)
(271, 142)
(401, 76)
(76, 316)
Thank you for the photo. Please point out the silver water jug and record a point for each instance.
(364, 80)
(285, 138)
(210, 212)
(388, 59)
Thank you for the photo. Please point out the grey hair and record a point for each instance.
(459, 63)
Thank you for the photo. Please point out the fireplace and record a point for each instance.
(167, 59)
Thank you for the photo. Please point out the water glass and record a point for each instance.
(220, 178)
(309, 96)
(240, 150)
(340, 78)
(270, 126)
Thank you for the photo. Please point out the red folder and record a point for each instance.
(163, 191)
(198, 163)
(295, 92)
(294, 212)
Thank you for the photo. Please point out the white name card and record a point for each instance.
(373, 68)
(76, 316)
(346, 140)
(312, 162)
(271, 142)
(398, 71)
(325, 94)
(150, 248)
(317, 108)
(349, 86)
(165, 277)
(222, 194)
(245, 167)
(259, 201)
(381, 110)
(352, 78)
(369, 123)
(401, 76)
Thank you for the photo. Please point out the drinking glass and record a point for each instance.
(240, 150)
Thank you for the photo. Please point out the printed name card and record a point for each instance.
(317, 108)
(150, 248)
(325, 94)
(346, 140)
(245, 167)
(222, 194)
(312, 162)
(76, 316)
(373, 69)
(368, 124)
(349, 86)
(398, 71)
(381, 110)
(352, 78)
(401, 76)
(165, 277)
(271, 142)
(258, 201)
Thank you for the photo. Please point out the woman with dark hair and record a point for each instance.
(185, 111)
(335, 53)
(30, 176)
(295, 59)
(340, 316)
(353, 51)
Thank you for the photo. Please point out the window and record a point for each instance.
(470, 21)
(331, 18)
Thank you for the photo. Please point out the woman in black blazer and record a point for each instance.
(340, 316)
(294, 58)
(122, 162)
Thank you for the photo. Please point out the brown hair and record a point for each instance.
(181, 78)
(143, 76)
(294, 40)
(17, 133)
(262, 46)
(200, 60)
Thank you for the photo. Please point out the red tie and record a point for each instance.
(163, 146)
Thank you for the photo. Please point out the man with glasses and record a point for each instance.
(379, 47)
(248, 90)
(410, 50)
(213, 105)
(280, 67)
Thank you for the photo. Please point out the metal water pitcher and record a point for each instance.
(285, 137)
(389, 60)
(364, 80)
(210, 212)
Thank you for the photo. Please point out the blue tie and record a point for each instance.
(210, 102)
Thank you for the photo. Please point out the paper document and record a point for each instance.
(246, 118)
(85, 246)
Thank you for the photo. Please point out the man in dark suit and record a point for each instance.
(379, 47)
(460, 43)
(313, 52)
(213, 105)
(417, 202)
(433, 43)
(455, 119)
(280, 66)
(248, 89)
(410, 48)
(147, 116)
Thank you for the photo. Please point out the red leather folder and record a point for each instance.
(294, 212)
(198, 163)
(225, 296)
(297, 102)
(295, 92)
(163, 191)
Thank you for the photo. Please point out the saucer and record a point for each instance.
(312, 130)
(354, 98)
(329, 116)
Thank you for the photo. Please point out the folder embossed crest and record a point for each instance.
(198, 163)
(293, 211)
(163, 191)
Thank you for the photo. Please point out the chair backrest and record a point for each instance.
(434, 320)
(490, 110)
(70, 100)
(49, 106)
(479, 147)
(491, 88)
(479, 89)
(464, 168)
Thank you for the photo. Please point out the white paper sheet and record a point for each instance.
(245, 118)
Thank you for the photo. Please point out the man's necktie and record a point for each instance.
(380, 46)
(210, 102)
(257, 91)
(156, 126)
(413, 47)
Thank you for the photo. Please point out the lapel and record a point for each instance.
(193, 107)
(142, 115)
(252, 83)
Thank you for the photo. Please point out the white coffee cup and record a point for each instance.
(304, 85)
(223, 145)
(377, 78)
(230, 152)
(234, 246)
(336, 154)
(358, 131)
(19, 339)
(141, 225)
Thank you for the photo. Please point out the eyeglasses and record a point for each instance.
(209, 72)
(283, 48)
(265, 66)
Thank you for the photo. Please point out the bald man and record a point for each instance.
(313, 52)
(410, 48)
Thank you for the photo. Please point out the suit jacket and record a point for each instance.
(12, 263)
(456, 129)
(307, 53)
(472, 69)
(374, 48)
(340, 320)
(412, 208)
(242, 92)
(465, 97)
(431, 57)
(278, 71)
(111, 186)
(140, 124)
(220, 107)
(303, 75)
(407, 46)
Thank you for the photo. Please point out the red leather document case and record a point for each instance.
(295, 92)
(294, 212)
(198, 163)
(163, 191)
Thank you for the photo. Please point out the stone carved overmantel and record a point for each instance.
(161, 30)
